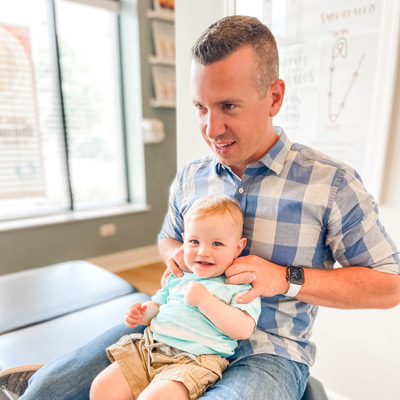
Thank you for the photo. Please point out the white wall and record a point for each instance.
(368, 338)
(358, 351)
(191, 19)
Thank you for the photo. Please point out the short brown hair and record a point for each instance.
(216, 204)
(229, 34)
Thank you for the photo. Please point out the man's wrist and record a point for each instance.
(286, 285)
(295, 279)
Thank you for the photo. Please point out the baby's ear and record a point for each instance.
(240, 246)
(183, 236)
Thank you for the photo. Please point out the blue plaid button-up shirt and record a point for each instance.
(301, 208)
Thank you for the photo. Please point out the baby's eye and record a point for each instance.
(194, 241)
(217, 244)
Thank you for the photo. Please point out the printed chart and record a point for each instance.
(333, 60)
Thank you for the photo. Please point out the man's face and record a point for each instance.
(235, 120)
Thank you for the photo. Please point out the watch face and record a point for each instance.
(295, 275)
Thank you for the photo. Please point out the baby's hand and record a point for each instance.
(195, 293)
(134, 315)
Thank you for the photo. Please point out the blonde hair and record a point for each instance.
(216, 204)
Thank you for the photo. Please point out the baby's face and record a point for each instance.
(211, 243)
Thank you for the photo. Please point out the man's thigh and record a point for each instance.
(70, 376)
(260, 377)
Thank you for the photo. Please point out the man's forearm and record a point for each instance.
(167, 248)
(171, 252)
(350, 287)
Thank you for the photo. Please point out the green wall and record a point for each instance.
(28, 248)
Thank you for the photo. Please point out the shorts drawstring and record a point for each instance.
(169, 351)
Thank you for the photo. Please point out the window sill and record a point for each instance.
(71, 216)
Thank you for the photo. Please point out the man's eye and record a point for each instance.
(228, 106)
(217, 244)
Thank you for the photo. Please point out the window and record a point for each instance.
(62, 140)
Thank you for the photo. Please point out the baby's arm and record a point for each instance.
(142, 314)
(231, 321)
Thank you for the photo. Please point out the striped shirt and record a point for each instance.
(301, 208)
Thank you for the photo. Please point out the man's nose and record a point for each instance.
(215, 125)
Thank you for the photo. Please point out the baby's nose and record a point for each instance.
(204, 250)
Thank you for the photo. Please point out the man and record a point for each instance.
(303, 212)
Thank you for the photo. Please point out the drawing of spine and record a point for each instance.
(340, 49)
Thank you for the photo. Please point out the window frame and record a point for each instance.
(133, 148)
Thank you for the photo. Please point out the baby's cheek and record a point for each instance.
(189, 254)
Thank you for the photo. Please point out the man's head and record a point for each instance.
(228, 35)
(236, 91)
(213, 235)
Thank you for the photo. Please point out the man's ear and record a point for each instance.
(277, 91)
(240, 246)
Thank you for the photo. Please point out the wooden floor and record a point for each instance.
(146, 279)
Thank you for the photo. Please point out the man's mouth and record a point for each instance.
(223, 146)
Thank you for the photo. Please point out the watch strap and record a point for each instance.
(293, 290)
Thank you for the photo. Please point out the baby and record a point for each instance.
(194, 321)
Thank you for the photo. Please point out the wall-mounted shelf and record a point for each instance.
(163, 61)
(154, 60)
(162, 103)
(161, 14)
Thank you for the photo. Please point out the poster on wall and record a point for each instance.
(21, 166)
(338, 60)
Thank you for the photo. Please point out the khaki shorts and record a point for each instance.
(142, 361)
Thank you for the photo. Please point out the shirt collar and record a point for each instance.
(273, 159)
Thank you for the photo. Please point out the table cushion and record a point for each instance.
(41, 294)
(42, 343)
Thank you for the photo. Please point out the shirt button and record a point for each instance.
(241, 190)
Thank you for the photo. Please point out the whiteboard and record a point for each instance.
(338, 59)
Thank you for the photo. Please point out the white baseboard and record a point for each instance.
(128, 259)
(334, 396)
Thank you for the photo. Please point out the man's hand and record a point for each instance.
(268, 279)
(134, 315)
(175, 265)
(195, 293)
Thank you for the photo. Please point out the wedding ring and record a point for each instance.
(254, 277)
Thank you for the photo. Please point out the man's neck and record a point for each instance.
(239, 169)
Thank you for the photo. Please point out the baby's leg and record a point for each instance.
(165, 390)
(111, 384)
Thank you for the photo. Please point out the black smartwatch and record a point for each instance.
(295, 277)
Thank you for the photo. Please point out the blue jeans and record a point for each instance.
(259, 377)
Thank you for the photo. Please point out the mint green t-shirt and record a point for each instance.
(185, 327)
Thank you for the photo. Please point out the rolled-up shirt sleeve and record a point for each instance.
(355, 235)
(172, 227)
